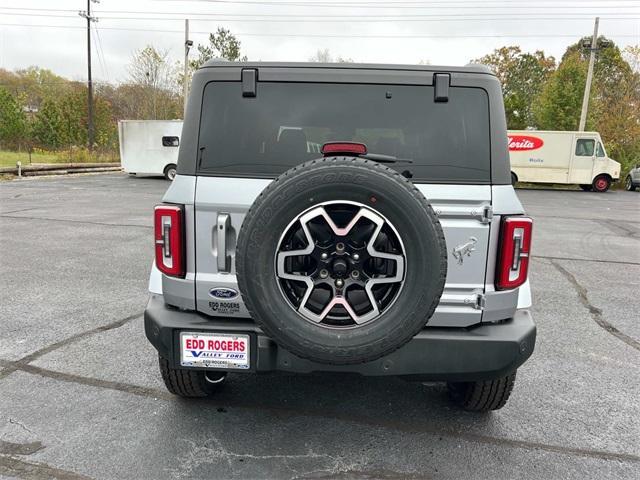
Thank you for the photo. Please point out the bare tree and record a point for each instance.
(324, 56)
(151, 70)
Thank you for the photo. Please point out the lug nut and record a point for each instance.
(355, 274)
(339, 283)
(324, 255)
(356, 257)
(324, 273)
(340, 247)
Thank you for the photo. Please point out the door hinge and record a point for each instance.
(481, 302)
(487, 214)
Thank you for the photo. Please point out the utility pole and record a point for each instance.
(90, 129)
(185, 80)
(587, 89)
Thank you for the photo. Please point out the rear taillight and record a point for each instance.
(514, 251)
(169, 236)
(343, 148)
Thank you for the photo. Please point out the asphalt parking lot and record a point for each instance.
(80, 394)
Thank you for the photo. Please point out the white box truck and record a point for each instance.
(149, 147)
(561, 157)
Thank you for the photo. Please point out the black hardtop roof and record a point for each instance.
(470, 68)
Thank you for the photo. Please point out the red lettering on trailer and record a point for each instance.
(519, 143)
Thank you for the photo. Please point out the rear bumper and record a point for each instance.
(454, 354)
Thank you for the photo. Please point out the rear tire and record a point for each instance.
(586, 188)
(601, 183)
(170, 172)
(628, 184)
(514, 179)
(482, 396)
(190, 383)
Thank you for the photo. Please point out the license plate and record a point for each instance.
(214, 350)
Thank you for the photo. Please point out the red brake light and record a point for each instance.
(169, 239)
(513, 256)
(344, 148)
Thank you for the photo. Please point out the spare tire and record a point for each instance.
(341, 260)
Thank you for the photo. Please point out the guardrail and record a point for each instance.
(59, 168)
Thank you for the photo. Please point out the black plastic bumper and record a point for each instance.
(483, 352)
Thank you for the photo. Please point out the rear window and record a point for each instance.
(287, 123)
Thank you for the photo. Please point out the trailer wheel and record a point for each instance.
(170, 172)
(601, 183)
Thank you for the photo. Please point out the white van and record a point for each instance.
(561, 157)
(149, 147)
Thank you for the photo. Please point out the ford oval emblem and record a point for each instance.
(223, 293)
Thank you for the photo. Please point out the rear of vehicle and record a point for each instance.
(562, 157)
(391, 243)
(149, 147)
(632, 180)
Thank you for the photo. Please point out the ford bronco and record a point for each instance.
(343, 218)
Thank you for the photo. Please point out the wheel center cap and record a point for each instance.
(339, 268)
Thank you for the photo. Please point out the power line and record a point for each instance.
(368, 4)
(354, 18)
(298, 35)
(182, 14)
(101, 57)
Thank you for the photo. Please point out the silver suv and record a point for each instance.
(633, 179)
(343, 218)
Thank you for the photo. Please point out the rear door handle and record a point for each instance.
(221, 236)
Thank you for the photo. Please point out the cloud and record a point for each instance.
(63, 50)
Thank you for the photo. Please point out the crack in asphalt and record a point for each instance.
(338, 416)
(620, 228)
(20, 217)
(10, 367)
(37, 471)
(616, 262)
(595, 312)
(10, 448)
(18, 468)
(19, 210)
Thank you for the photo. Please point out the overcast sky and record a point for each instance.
(393, 31)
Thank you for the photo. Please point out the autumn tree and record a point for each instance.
(523, 76)
(613, 103)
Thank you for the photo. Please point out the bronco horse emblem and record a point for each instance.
(465, 249)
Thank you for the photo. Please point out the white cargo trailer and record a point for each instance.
(561, 157)
(149, 147)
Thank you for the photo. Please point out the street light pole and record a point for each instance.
(587, 88)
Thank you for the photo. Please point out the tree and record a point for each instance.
(558, 106)
(13, 124)
(614, 100)
(324, 56)
(222, 44)
(523, 76)
(618, 109)
(151, 72)
(47, 125)
(61, 122)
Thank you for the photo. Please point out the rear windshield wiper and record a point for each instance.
(377, 157)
